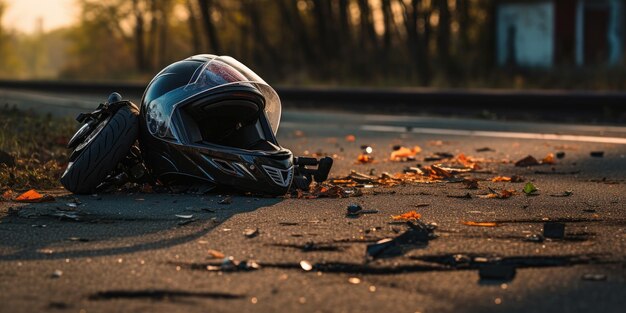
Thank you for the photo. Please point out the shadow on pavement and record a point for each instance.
(88, 226)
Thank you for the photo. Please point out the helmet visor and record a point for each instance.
(213, 74)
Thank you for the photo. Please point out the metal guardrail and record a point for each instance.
(590, 104)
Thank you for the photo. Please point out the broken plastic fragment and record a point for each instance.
(33, 196)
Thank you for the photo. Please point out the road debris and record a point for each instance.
(184, 216)
(56, 274)
(418, 234)
(480, 224)
(485, 149)
(229, 264)
(354, 280)
(538, 238)
(32, 196)
(565, 193)
(502, 194)
(560, 155)
(554, 230)
(214, 254)
(527, 161)
(251, 232)
(305, 265)
(404, 154)
(597, 154)
(594, 277)
(530, 189)
(407, 216)
(227, 200)
(512, 179)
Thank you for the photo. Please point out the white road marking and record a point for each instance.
(493, 134)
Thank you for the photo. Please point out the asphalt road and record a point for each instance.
(132, 253)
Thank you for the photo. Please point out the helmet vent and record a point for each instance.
(280, 177)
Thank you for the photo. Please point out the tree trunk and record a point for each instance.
(443, 34)
(193, 27)
(139, 38)
(209, 28)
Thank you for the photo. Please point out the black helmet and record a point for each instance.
(211, 120)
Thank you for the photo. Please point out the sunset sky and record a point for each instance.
(23, 14)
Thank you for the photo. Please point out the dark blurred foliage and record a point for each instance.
(440, 43)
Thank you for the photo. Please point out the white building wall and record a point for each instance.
(534, 33)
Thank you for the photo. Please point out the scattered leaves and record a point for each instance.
(407, 216)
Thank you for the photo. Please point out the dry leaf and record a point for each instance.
(364, 158)
(403, 153)
(480, 224)
(549, 159)
(408, 216)
(33, 196)
(350, 138)
(502, 194)
(7, 195)
(215, 254)
(501, 178)
(527, 161)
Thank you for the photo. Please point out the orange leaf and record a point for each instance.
(480, 224)
(364, 158)
(501, 178)
(350, 138)
(411, 215)
(549, 159)
(33, 196)
(404, 153)
(7, 195)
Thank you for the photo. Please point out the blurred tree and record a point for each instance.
(10, 64)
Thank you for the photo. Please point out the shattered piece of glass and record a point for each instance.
(554, 230)
(305, 265)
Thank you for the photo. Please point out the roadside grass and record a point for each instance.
(36, 145)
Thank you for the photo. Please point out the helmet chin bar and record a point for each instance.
(304, 174)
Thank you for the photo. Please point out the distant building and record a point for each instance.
(553, 32)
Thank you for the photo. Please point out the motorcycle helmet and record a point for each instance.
(211, 120)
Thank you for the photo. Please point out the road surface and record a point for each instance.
(142, 252)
